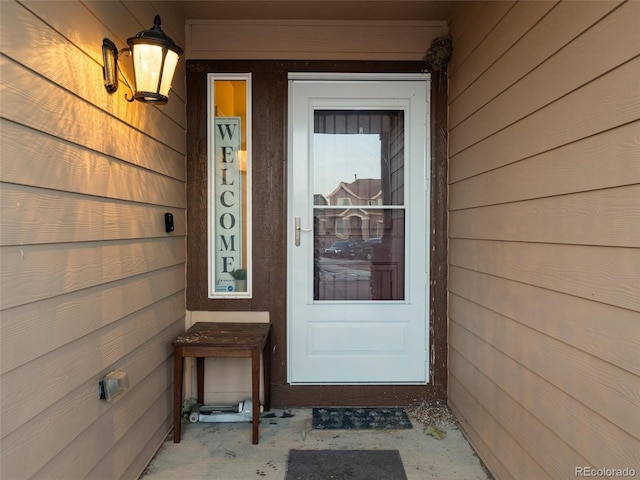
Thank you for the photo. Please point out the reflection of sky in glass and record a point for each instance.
(342, 157)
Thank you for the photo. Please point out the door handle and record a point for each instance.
(300, 229)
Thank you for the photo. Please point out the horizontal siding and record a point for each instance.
(36, 272)
(63, 113)
(586, 325)
(36, 215)
(77, 432)
(476, 23)
(471, 414)
(547, 29)
(517, 20)
(571, 118)
(31, 330)
(576, 167)
(128, 449)
(72, 168)
(90, 280)
(606, 217)
(580, 375)
(582, 429)
(68, 367)
(569, 69)
(544, 210)
(497, 412)
(602, 274)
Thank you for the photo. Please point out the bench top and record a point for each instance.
(205, 334)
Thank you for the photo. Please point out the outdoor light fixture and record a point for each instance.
(155, 58)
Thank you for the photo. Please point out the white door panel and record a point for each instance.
(358, 213)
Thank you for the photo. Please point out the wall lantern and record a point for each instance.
(155, 58)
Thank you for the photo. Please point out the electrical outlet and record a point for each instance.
(113, 385)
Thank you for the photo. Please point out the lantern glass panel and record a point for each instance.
(147, 61)
(170, 64)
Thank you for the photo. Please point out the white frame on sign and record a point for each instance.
(228, 193)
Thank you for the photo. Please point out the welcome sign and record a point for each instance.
(227, 191)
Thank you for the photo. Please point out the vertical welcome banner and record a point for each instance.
(228, 202)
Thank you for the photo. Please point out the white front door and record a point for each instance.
(358, 277)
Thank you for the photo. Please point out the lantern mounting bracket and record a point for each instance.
(110, 55)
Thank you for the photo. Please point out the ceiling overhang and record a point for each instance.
(415, 10)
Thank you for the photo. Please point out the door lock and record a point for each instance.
(300, 229)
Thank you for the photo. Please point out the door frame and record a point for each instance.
(269, 210)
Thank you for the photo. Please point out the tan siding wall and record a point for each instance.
(90, 281)
(544, 288)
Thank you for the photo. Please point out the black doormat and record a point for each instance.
(340, 418)
(345, 464)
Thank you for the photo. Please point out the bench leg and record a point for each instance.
(200, 379)
(266, 362)
(255, 392)
(178, 368)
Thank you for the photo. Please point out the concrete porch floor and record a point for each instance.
(223, 451)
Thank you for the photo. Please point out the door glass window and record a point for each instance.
(359, 211)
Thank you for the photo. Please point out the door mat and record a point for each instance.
(339, 418)
(345, 464)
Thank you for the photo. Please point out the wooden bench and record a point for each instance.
(222, 340)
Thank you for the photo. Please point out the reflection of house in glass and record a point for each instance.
(359, 228)
(352, 222)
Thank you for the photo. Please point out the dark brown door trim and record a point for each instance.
(269, 136)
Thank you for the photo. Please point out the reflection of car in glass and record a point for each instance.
(337, 248)
(362, 249)
(352, 249)
(357, 249)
